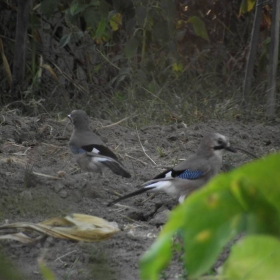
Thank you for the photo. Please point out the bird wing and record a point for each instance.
(100, 149)
(110, 162)
(192, 168)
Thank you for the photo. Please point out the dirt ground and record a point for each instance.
(41, 144)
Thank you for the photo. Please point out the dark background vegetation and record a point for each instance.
(153, 60)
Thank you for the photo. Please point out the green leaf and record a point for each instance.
(150, 270)
(131, 47)
(159, 255)
(46, 272)
(101, 29)
(115, 21)
(243, 200)
(177, 67)
(254, 258)
(65, 40)
(246, 6)
(199, 27)
(48, 7)
(8, 270)
(77, 7)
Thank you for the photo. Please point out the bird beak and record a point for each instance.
(230, 149)
(69, 116)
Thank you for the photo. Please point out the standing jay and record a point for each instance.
(90, 152)
(190, 174)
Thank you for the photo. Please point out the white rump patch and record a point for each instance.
(160, 185)
(168, 174)
(99, 159)
(94, 150)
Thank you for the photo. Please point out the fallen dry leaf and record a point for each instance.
(77, 227)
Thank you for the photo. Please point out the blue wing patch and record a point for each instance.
(76, 150)
(190, 174)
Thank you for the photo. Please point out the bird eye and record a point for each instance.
(220, 141)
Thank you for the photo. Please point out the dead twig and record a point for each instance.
(79, 87)
(66, 127)
(143, 162)
(124, 206)
(144, 149)
(59, 258)
(112, 192)
(46, 176)
(131, 220)
(54, 146)
(116, 123)
(22, 153)
(149, 197)
(3, 119)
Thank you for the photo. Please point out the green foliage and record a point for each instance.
(65, 40)
(46, 272)
(253, 258)
(192, 52)
(77, 7)
(246, 6)
(199, 27)
(8, 271)
(100, 29)
(243, 200)
(160, 152)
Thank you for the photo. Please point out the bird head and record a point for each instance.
(79, 119)
(215, 143)
(221, 142)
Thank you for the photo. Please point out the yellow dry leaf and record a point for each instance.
(6, 65)
(21, 237)
(49, 68)
(77, 227)
(177, 67)
(115, 21)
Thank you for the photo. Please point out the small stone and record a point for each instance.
(106, 182)
(10, 160)
(26, 195)
(61, 174)
(63, 193)
(160, 218)
(181, 125)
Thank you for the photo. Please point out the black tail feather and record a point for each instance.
(129, 195)
(116, 168)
